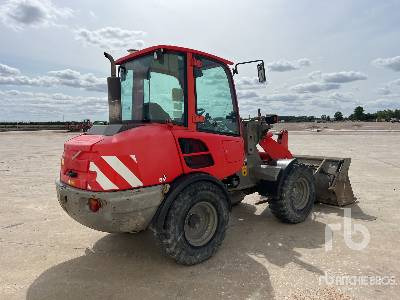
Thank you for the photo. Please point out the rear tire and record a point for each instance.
(195, 224)
(296, 196)
(236, 198)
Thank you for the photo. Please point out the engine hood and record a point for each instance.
(144, 155)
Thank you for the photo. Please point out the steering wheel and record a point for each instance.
(201, 111)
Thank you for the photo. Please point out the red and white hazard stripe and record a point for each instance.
(116, 172)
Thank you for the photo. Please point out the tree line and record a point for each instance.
(358, 114)
(381, 115)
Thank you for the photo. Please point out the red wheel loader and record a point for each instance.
(176, 156)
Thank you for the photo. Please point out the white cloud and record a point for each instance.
(19, 105)
(27, 81)
(315, 75)
(249, 104)
(66, 77)
(284, 103)
(92, 14)
(315, 87)
(392, 63)
(384, 103)
(247, 94)
(75, 79)
(300, 103)
(342, 97)
(111, 38)
(8, 71)
(284, 97)
(327, 81)
(304, 62)
(245, 83)
(343, 77)
(384, 90)
(394, 82)
(281, 66)
(337, 77)
(388, 88)
(285, 65)
(19, 14)
(324, 103)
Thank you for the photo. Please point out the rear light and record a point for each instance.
(94, 204)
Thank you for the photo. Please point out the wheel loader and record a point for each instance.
(176, 156)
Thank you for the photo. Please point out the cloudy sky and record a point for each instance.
(322, 56)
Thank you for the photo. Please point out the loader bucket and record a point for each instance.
(332, 184)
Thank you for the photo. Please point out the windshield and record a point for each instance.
(154, 89)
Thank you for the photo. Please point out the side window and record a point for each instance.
(214, 99)
(126, 95)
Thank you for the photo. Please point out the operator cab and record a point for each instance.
(173, 85)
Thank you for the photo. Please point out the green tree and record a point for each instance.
(338, 116)
(385, 115)
(359, 113)
(370, 117)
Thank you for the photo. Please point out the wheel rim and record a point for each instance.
(301, 193)
(200, 224)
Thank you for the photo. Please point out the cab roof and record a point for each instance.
(172, 48)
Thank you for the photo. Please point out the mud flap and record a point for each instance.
(331, 179)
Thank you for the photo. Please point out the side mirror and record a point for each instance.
(261, 73)
(114, 99)
(260, 69)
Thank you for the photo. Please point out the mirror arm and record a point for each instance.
(235, 68)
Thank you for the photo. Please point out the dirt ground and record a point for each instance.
(340, 126)
(44, 254)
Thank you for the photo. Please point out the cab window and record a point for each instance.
(154, 90)
(214, 98)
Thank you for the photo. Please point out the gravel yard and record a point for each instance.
(44, 254)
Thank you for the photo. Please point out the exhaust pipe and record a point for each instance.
(113, 66)
(114, 93)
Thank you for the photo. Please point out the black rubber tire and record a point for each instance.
(284, 207)
(172, 239)
(236, 198)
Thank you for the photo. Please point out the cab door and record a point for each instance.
(220, 146)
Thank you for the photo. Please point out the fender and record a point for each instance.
(287, 165)
(176, 188)
(273, 186)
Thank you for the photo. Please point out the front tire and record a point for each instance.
(195, 224)
(296, 196)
